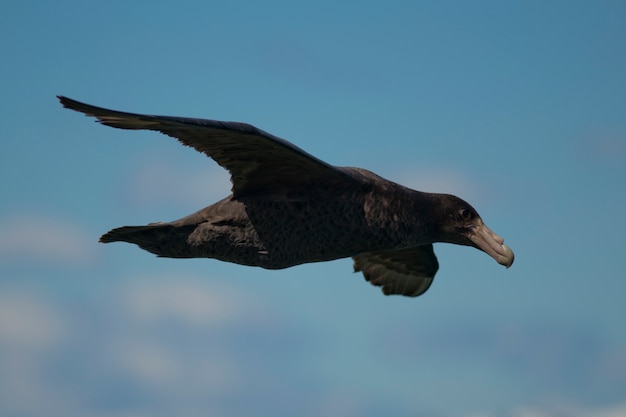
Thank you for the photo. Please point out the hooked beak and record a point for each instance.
(491, 243)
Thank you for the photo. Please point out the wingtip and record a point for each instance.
(67, 102)
(105, 238)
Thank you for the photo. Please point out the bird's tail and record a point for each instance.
(130, 234)
(162, 239)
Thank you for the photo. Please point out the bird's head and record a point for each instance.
(462, 225)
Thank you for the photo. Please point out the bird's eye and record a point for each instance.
(465, 214)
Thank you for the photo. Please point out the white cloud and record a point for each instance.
(31, 330)
(166, 368)
(152, 299)
(41, 238)
(134, 347)
(436, 180)
(165, 182)
(174, 346)
(27, 323)
(192, 366)
(614, 410)
(148, 363)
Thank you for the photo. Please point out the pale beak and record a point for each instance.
(492, 244)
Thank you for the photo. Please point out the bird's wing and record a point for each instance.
(406, 271)
(257, 161)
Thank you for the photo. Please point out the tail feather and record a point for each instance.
(161, 239)
(128, 234)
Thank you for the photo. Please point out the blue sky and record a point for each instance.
(518, 107)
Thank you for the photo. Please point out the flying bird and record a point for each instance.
(288, 207)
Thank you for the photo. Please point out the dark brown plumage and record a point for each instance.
(288, 208)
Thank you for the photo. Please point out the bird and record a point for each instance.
(288, 207)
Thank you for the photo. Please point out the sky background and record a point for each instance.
(517, 107)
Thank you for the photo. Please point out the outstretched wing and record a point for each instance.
(257, 161)
(407, 271)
